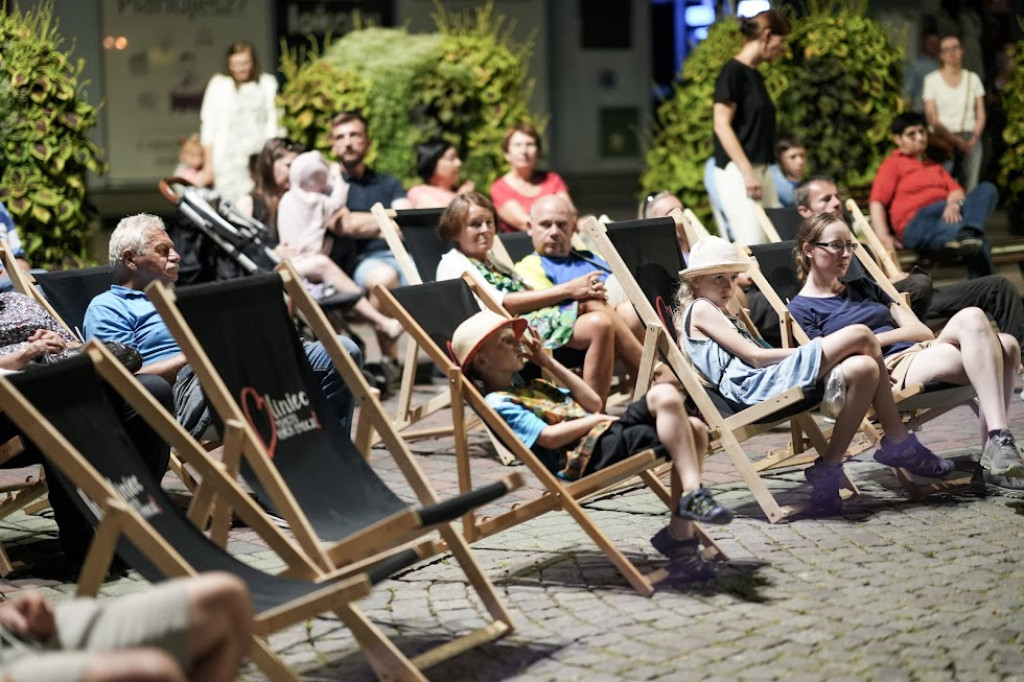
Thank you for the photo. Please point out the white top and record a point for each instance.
(235, 123)
(951, 104)
(454, 263)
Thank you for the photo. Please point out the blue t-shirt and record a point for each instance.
(128, 316)
(783, 185)
(363, 193)
(526, 425)
(861, 302)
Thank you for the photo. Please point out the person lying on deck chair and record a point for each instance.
(564, 428)
(966, 351)
(746, 371)
(196, 628)
(141, 252)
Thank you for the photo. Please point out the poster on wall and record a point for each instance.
(157, 59)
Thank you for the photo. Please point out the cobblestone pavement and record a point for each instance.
(891, 590)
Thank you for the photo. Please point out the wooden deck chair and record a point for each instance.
(64, 410)
(294, 453)
(886, 259)
(920, 403)
(646, 259)
(432, 326)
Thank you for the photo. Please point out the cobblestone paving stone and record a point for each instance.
(890, 590)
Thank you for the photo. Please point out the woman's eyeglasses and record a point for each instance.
(837, 247)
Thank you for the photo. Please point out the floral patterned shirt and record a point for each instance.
(20, 317)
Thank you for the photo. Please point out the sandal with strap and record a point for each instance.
(698, 505)
(675, 549)
(912, 456)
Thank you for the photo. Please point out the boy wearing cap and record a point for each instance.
(566, 431)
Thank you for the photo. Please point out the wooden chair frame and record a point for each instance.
(919, 406)
(568, 496)
(397, 532)
(726, 432)
(121, 520)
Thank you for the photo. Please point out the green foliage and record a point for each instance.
(837, 87)
(1011, 164)
(45, 151)
(313, 93)
(464, 83)
(843, 86)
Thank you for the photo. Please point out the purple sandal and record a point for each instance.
(912, 456)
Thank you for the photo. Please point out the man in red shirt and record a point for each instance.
(924, 205)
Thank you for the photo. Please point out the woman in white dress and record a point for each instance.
(238, 115)
(954, 104)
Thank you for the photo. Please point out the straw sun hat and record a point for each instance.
(714, 255)
(471, 334)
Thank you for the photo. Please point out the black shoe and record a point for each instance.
(698, 505)
(827, 479)
(676, 549)
(967, 242)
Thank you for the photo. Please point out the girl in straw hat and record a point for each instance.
(567, 432)
(746, 371)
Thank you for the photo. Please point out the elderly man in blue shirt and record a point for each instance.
(141, 252)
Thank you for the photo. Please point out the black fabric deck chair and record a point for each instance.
(644, 255)
(786, 220)
(301, 464)
(517, 244)
(64, 410)
(418, 250)
(69, 292)
(921, 403)
(432, 326)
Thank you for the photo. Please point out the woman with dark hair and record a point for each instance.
(514, 192)
(438, 163)
(744, 127)
(238, 115)
(272, 168)
(574, 314)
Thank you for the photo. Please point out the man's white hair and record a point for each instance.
(130, 234)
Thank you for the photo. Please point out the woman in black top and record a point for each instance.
(744, 126)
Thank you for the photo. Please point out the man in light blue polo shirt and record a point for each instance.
(141, 252)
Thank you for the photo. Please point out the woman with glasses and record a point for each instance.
(967, 351)
(746, 371)
(954, 104)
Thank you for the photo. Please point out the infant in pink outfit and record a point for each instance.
(308, 204)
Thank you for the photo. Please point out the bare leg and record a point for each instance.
(386, 276)
(626, 345)
(220, 616)
(320, 268)
(133, 665)
(970, 352)
(685, 439)
(593, 333)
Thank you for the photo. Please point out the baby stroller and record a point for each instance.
(217, 242)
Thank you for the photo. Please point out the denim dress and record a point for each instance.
(739, 382)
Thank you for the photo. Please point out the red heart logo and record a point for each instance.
(260, 418)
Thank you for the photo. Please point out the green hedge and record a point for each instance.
(43, 124)
(467, 82)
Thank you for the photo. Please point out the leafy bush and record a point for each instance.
(1011, 164)
(466, 83)
(843, 85)
(837, 87)
(43, 123)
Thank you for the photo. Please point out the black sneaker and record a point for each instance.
(827, 479)
(698, 505)
(675, 549)
(1001, 456)
(967, 242)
